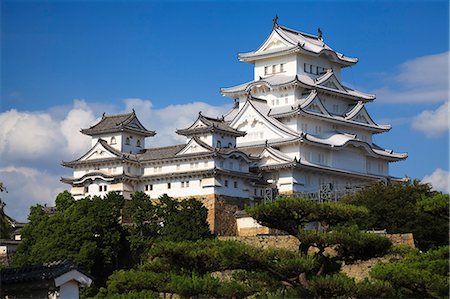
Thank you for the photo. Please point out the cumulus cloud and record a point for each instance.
(439, 179)
(166, 120)
(421, 80)
(33, 144)
(27, 186)
(433, 123)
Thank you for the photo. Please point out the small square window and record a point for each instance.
(235, 184)
(226, 183)
(169, 186)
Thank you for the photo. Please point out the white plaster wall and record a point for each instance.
(225, 140)
(317, 61)
(290, 66)
(132, 147)
(349, 158)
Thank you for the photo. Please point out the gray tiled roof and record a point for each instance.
(212, 125)
(38, 272)
(161, 152)
(117, 123)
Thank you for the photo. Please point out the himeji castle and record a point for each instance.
(294, 129)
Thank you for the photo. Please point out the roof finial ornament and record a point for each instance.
(132, 109)
(319, 33)
(275, 21)
(103, 115)
(199, 113)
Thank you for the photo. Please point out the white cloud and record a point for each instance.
(33, 144)
(166, 120)
(433, 123)
(27, 186)
(421, 80)
(439, 179)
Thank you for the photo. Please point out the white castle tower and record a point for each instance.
(309, 130)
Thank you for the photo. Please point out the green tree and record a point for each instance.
(64, 200)
(404, 208)
(141, 221)
(350, 244)
(417, 275)
(5, 220)
(87, 232)
(182, 220)
(437, 205)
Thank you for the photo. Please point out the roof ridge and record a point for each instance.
(119, 115)
(298, 32)
(164, 147)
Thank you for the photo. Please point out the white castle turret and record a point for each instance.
(319, 129)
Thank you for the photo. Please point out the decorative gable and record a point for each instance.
(194, 146)
(258, 126)
(271, 156)
(329, 80)
(99, 151)
(360, 114)
(316, 106)
(274, 41)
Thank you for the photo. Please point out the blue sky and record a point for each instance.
(64, 63)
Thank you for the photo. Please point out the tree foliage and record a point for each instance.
(182, 220)
(89, 231)
(348, 242)
(417, 275)
(86, 232)
(404, 208)
(5, 221)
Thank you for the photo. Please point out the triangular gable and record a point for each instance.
(194, 146)
(136, 124)
(271, 156)
(258, 126)
(329, 80)
(360, 114)
(98, 151)
(315, 105)
(274, 41)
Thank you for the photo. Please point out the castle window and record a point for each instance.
(86, 189)
(226, 183)
(182, 184)
(187, 184)
(274, 68)
(138, 143)
(169, 186)
(266, 70)
(230, 144)
(235, 184)
(282, 67)
(127, 141)
(219, 144)
(254, 192)
(113, 140)
(149, 187)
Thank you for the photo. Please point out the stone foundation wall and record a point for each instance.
(285, 242)
(291, 243)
